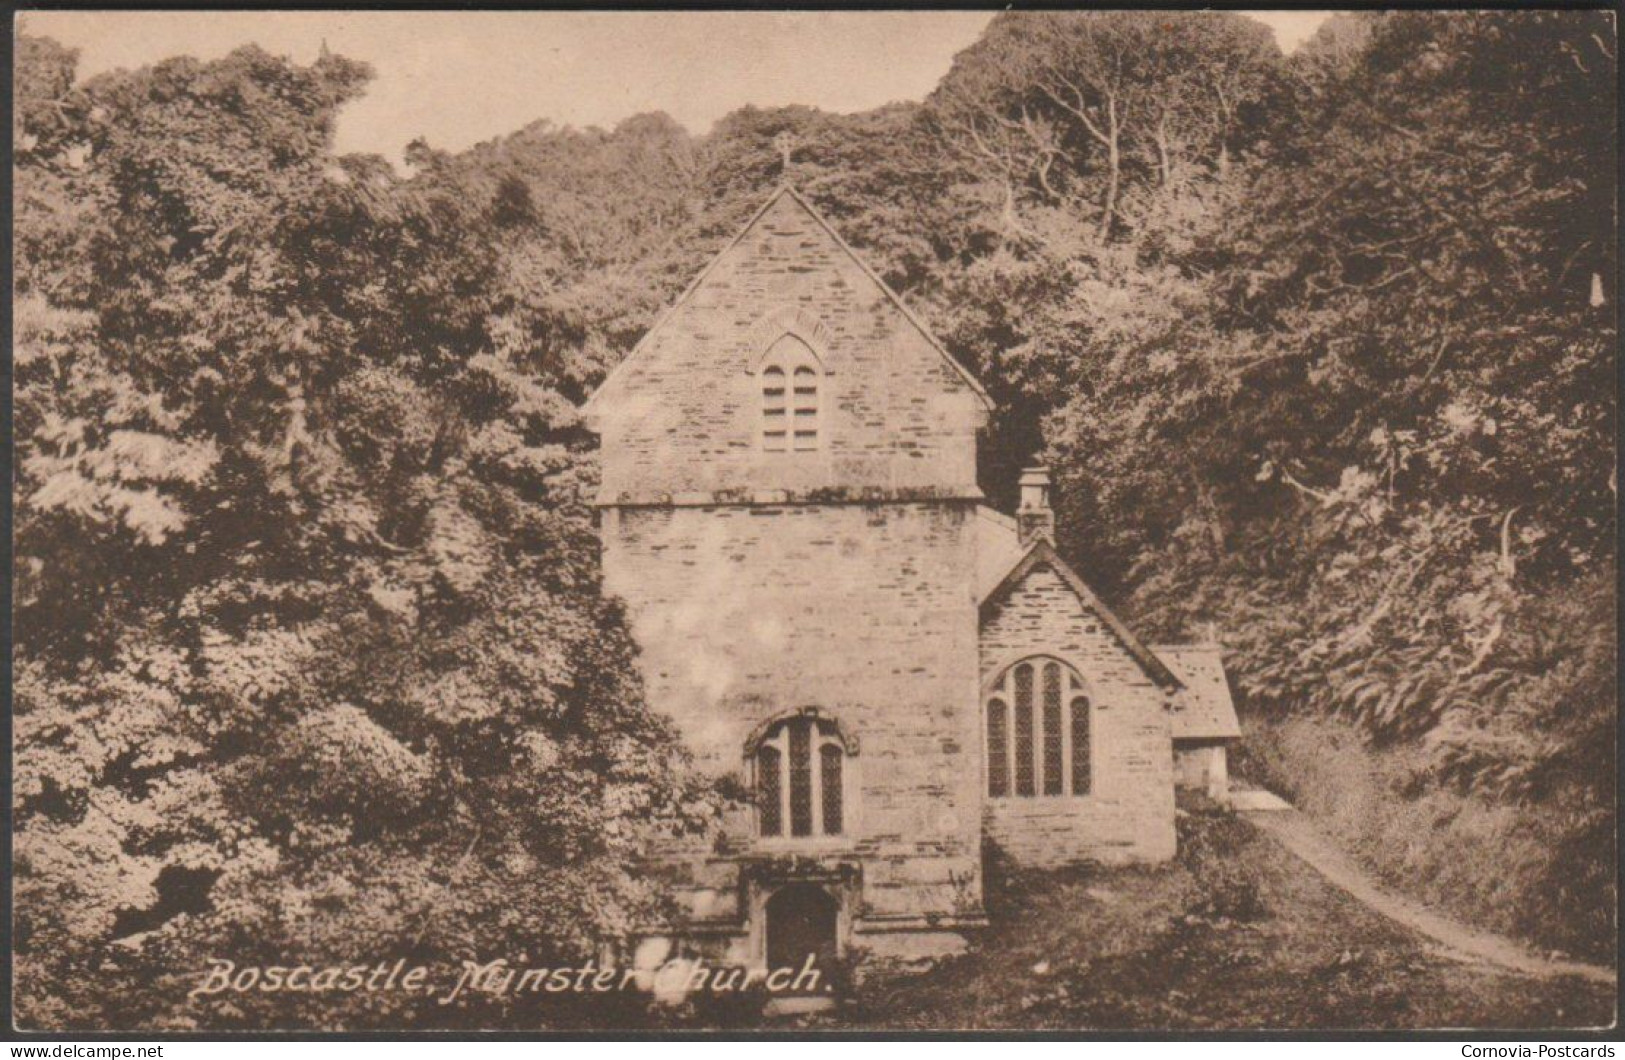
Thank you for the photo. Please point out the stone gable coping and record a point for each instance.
(607, 388)
(1043, 553)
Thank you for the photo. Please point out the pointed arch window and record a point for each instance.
(791, 384)
(1039, 739)
(801, 779)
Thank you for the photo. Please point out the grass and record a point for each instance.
(1234, 934)
(1496, 866)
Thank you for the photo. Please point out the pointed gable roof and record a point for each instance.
(1042, 554)
(606, 390)
(1206, 711)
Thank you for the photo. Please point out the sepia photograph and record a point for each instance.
(807, 523)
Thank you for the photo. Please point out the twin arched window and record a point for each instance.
(790, 377)
(1038, 731)
(800, 767)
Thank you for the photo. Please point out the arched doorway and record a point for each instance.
(801, 922)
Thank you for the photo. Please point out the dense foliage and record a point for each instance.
(1377, 442)
(312, 661)
(1322, 350)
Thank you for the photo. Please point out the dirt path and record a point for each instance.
(1295, 832)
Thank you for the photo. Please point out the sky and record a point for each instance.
(459, 78)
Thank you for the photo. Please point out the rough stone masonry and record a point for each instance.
(832, 617)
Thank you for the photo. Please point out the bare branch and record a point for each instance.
(1509, 566)
(1323, 497)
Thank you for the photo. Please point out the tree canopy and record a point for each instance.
(313, 652)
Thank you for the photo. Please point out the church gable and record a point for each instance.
(787, 369)
(1041, 605)
(1042, 620)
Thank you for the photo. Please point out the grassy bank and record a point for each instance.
(1493, 866)
(1234, 934)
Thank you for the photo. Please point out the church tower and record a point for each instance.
(789, 510)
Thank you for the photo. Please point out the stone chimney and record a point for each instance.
(1035, 519)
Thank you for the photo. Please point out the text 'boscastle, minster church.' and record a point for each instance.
(830, 613)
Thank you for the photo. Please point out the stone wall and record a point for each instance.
(1201, 766)
(1129, 813)
(866, 613)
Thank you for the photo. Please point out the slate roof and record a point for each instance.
(1205, 710)
(998, 548)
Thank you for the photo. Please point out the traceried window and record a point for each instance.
(800, 779)
(998, 747)
(1023, 680)
(770, 788)
(790, 379)
(1038, 731)
(1082, 778)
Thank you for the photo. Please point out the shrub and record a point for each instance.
(1223, 889)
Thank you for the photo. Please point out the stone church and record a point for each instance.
(895, 672)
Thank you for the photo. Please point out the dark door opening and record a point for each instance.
(801, 924)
